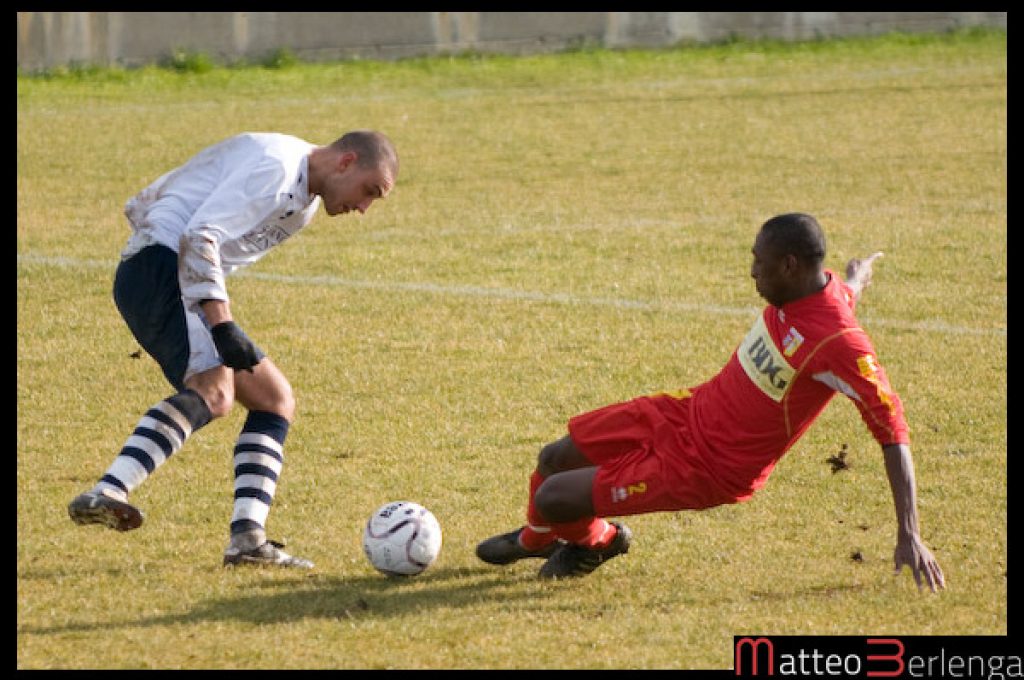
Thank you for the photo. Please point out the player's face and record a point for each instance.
(352, 187)
(769, 272)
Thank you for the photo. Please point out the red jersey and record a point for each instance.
(780, 378)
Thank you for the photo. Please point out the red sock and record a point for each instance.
(537, 533)
(590, 532)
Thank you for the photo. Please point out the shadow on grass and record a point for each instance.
(826, 591)
(319, 596)
(374, 596)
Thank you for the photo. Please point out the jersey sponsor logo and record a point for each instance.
(264, 237)
(621, 493)
(791, 343)
(763, 363)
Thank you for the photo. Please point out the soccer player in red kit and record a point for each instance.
(718, 442)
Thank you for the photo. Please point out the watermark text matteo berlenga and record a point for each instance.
(987, 657)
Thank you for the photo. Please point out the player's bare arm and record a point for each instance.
(859, 271)
(216, 311)
(910, 549)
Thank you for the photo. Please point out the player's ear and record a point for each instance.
(346, 159)
(790, 263)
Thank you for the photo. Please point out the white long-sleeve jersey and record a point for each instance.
(224, 209)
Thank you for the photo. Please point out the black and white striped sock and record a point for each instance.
(259, 455)
(160, 433)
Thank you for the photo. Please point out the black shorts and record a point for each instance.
(147, 293)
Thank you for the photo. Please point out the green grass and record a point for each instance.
(567, 231)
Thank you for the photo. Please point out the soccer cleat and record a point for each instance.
(267, 554)
(94, 507)
(576, 560)
(506, 549)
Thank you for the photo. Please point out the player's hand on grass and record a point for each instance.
(912, 552)
(858, 272)
(235, 347)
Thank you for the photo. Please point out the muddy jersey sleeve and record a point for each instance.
(243, 199)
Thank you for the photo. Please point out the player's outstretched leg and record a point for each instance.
(507, 548)
(160, 433)
(534, 539)
(574, 560)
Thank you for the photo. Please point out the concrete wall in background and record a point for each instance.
(47, 39)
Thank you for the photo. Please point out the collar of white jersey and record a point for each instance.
(302, 183)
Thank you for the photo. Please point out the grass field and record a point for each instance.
(567, 231)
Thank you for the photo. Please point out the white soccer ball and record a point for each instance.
(402, 538)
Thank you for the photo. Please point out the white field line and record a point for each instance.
(517, 295)
(687, 86)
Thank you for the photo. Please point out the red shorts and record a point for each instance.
(646, 458)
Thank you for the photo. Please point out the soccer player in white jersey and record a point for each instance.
(220, 211)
